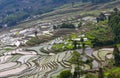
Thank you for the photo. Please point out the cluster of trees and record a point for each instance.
(114, 23)
(64, 25)
(101, 17)
(67, 25)
(100, 1)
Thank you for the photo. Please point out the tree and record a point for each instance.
(116, 10)
(36, 32)
(75, 44)
(116, 54)
(100, 73)
(73, 3)
(54, 27)
(89, 62)
(83, 45)
(80, 24)
(77, 60)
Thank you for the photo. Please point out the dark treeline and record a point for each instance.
(93, 1)
(114, 23)
(97, 1)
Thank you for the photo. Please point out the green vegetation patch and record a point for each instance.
(7, 49)
(62, 47)
(112, 70)
(98, 34)
(91, 75)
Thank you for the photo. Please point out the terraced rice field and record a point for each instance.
(30, 64)
(103, 55)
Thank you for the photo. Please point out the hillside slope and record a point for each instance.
(14, 11)
(69, 13)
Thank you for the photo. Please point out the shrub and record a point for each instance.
(65, 74)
